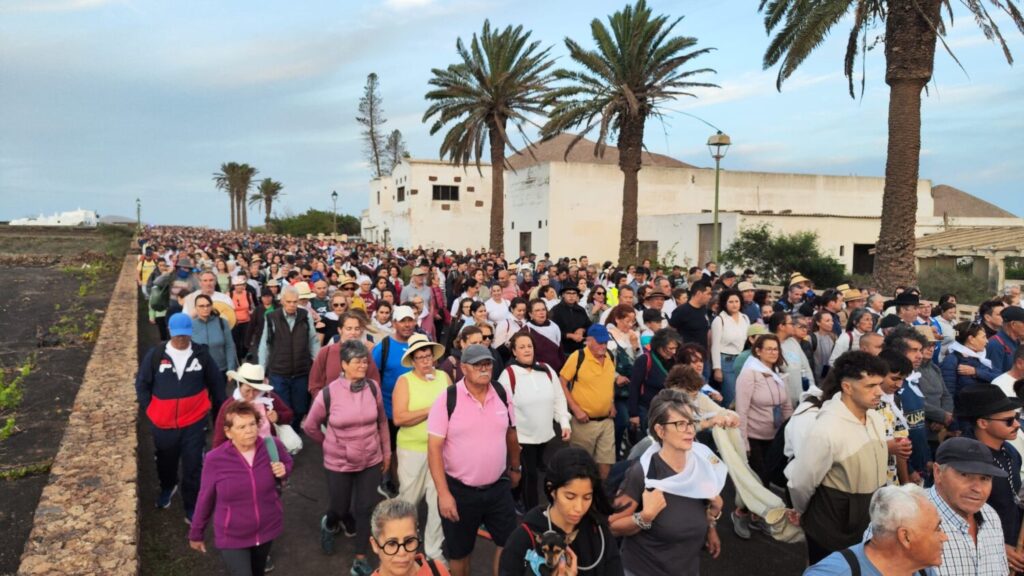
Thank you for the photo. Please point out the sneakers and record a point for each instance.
(759, 524)
(164, 501)
(483, 532)
(269, 565)
(387, 489)
(741, 525)
(360, 568)
(348, 525)
(327, 536)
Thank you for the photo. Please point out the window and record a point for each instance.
(446, 192)
(378, 197)
(401, 193)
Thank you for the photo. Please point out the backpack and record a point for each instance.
(160, 298)
(452, 398)
(327, 395)
(537, 366)
(851, 559)
(580, 357)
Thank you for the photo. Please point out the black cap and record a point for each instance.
(983, 400)
(890, 321)
(907, 299)
(968, 456)
(569, 288)
(1012, 314)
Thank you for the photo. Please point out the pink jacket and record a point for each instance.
(357, 428)
(757, 394)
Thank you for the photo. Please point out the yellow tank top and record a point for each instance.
(422, 394)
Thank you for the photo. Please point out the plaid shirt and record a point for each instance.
(960, 555)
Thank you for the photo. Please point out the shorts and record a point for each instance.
(491, 506)
(597, 437)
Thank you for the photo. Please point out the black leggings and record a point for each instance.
(758, 452)
(247, 561)
(346, 490)
(532, 460)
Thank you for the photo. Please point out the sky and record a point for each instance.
(106, 101)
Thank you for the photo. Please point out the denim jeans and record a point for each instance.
(728, 389)
(294, 391)
(621, 425)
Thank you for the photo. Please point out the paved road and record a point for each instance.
(165, 549)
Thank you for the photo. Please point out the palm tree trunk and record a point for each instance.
(267, 204)
(631, 140)
(231, 197)
(497, 241)
(910, 58)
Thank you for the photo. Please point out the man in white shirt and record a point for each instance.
(1016, 372)
(208, 286)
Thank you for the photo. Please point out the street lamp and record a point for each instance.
(385, 238)
(718, 145)
(334, 198)
(138, 214)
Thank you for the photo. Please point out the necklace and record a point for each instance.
(998, 457)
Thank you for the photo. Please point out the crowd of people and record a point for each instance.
(578, 414)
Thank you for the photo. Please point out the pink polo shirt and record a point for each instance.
(474, 439)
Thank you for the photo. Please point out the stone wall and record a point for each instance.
(87, 519)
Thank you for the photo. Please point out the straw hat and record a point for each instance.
(225, 311)
(251, 374)
(927, 332)
(305, 292)
(853, 294)
(798, 278)
(418, 342)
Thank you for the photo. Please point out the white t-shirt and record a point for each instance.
(1005, 383)
(179, 358)
(497, 311)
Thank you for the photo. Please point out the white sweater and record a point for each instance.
(539, 401)
(727, 337)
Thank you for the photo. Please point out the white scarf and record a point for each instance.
(890, 401)
(261, 398)
(912, 383)
(753, 363)
(964, 350)
(702, 478)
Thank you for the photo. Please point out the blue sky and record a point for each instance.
(103, 101)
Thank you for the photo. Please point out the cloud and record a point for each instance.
(749, 85)
(54, 5)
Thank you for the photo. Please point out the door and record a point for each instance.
(526, 242)
(705, 243)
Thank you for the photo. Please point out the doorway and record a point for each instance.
(526, 242)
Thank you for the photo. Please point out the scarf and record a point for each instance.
(965, 351)
(912, 383)
(702, 478)
(357, 386)
(753, 363)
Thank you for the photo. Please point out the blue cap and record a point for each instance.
(599, 333)
(180, 324)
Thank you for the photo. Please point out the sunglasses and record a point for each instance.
(488, 336)
(1008, 421)
(338, 305)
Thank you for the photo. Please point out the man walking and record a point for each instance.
(588, 381)
(175, 385)
(287, 349)
(571, 318)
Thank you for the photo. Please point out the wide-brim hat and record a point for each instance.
(238, 281)
(927, 332)
(419, 342)
(227, 312)
(569, 288)
(983, 400)
(853, 295)
(251, 374)
(907, 299)
(347, 280)
(305, 292)
(655, 294)
(798, 278)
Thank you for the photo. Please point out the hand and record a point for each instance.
(197, 545)
(515, 477)
(385, 466)
(653, 504)
(900, 447)
(717, 375)
(580, 415)
(949, 419)
(621, 381)
(634, 338)
(713, 543)
(152, 320)
(634, 422)
(794, 517)
(611, 414)
(1015, 558)
(446, 506)
(569, 565)
(278, 469)
(272, 416)
(966, 370)
(566, 433)
(716, 396)
(714, 509)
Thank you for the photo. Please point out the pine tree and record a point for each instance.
(395, 150)
(371, 116)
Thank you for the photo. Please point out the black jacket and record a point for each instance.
(570, 319)
(587, 545)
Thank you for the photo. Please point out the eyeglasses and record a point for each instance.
(339, 305)
(681, 425)
(202, 305)
(391, 547)
(1008, 421)
(422, 357)
(488, 336)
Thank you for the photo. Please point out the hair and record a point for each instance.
(855, 317)
(684, 377)
(652, 315)
(390, 510)
(353, 349)
(987, 307)
(897, 362)
(1019, 354)
(688, 351)
(777, 319)
(894, 506)
(699, 286)
(662, 403)
(465, 333)
(759, 343)
(897, 339)
(724, 296)
(943, 308)
(384, 304)
(517, 336)
(476, 305)
(867, 336)
(855, 364)
(289, 290)
(357, 315)
(204, 297)
(663, 338)
(626, 288)
(816, 319)
(545, 289)
(516, 302)
(239, 409)
(570, 464)
(618, 312)
(967, 329)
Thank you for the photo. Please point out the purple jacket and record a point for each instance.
(243, 501)
(357, 429)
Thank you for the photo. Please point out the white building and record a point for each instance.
(431, 204)
(74, 218)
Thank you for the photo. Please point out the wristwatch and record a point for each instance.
(640, 522)
(516, 469)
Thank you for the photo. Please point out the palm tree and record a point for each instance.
(236, 180)
(912, 29)
(502, 77)
(637, 66)
(268, 192)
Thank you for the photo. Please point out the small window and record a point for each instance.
(378, 197)
(447, 193)
(401, 193)
(842, 249)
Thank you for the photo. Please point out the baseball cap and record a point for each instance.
(599, 333)
(476, 353)
(180, 324)
(968, 456)
(402, 312)
(745, 286)
(1012, 314)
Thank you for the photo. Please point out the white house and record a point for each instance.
(73, 218)
(431, 204)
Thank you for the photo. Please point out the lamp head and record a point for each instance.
(718, 145)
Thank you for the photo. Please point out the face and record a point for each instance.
(785, 329)
(864, 393)
(995, 319)
(350, 330)
(996, 425)
(597, 349)
(519, 311)
(950, 315)
(924, 536)
(339, 305)
(701, 298)
(523, 350)
(539, 314)
(472, 339)
(480, 316)
(865, 323)
(924, 310)
(383, 315)
(965, 493)
(892, 382)
(203, 308)
(915, 353)
(626, 322)
(801, 328)
(978, 341)
(248, 392)
(486, 335)
(321, 289)
(356, 368)
(825, 323)
(207, 283)
(405, 327)
(243, 431)
(423, 360)
(627, 297)
(570, 298)
(397, 535)
(697, 361)
(478, 374)
(290, 303)
(678, 430)
(769, 352)
(573, 500)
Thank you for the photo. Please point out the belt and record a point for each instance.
(460, 484)
(594, 419)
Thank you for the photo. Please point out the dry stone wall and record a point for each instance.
(87, 519)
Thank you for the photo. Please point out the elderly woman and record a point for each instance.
(210, 329)
(414, 394)
(396, 541)
(539, 401)
(597, 302)
(547, 335)
(669, 501)
(239, 490)
(966, 363)
(356, 447)
(326, 367)
(253, 388)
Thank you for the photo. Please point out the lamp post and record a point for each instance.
(334, 199)
(718, 145)
(385, 239)
(138, 214)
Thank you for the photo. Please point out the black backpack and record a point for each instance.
(452, 398)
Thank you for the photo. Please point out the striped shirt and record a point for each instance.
(961, 556)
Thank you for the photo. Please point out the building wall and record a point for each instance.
(527, 208)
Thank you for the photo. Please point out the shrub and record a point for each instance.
(776, 255)
(315, 222)
(969, 289)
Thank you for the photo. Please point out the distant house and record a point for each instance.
(74, 218)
